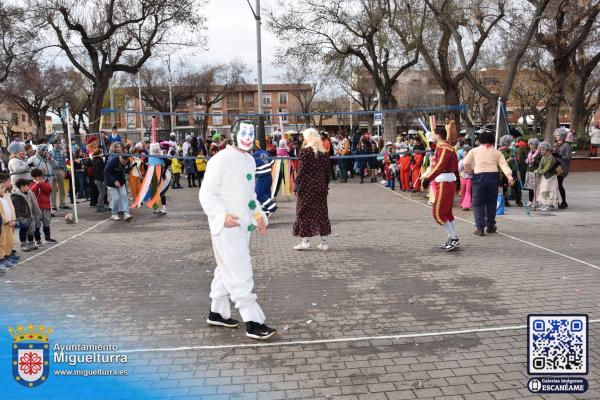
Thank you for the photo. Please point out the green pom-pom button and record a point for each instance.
(249, 177)
(252, 204)
(251, 228)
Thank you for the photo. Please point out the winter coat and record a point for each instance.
(26, 206)
(114, 172)
(42, 191)
(19, 169)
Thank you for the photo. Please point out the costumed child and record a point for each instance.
(176, 169)
(465, 181)
(27, 213)
(404, 166)
(42, 190)
(548, 190)
(264, 179)
(389, 165)
(444, 174)
(156, 181)
(200, 166)
(417, 166)
(8, 256)
(229, 200)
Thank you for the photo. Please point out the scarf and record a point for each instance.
(531, 157)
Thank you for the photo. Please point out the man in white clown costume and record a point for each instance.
(228, 198)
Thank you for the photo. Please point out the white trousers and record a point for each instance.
(233, 276)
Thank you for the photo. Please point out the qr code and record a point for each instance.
(557, 344)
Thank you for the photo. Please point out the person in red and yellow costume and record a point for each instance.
(444, 173)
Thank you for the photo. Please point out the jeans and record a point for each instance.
(485, 196)
(101, 192)
(118, 200)
(80, 184)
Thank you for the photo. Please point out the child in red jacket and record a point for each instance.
(42, 190)
(404, 166)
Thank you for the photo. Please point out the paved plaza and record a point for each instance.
(384, 314)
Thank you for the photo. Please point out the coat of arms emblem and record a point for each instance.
(30, 349)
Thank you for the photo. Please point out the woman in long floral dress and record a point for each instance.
(312, 186)
(548, 193)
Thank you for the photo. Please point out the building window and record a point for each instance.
(283, 99)
(198, 101)
(23, 117)
(268, 119)
(248, 99)
(284, 118)
(130, 103)
(131, 121)
(233, 101)
(181, 120)
(266, 99)
(218, 104)
(15, 119)
(216, 119)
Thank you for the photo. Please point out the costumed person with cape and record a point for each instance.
(229, 200)
(156, 182)
(264, 179)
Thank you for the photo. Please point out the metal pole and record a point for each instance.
(350, 100)
(170, 94)
(112, 103)
(72, 164)
(142, 130)
(497, 121)
(261, 120)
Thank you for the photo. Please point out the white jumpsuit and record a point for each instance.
(228, 188)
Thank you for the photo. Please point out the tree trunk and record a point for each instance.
(389, 120)
(452, 98)
(205, 123)
(96, 101)
(561, 70)
(578, 108)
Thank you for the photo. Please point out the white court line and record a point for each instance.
(63, 242)
(500, 233)
(337, 340)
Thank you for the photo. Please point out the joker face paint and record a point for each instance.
(244, 135)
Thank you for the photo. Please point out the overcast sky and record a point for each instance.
(232, 33)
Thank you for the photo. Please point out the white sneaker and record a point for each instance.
(543, 208)
(323, 246)
(115, 218)
(303, 246)
(127, 217)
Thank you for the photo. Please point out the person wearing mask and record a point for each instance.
(312, 187)
(562, 153)
(483, 163)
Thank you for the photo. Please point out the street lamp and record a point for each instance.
(261, 120)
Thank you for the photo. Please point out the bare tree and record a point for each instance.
(101, 38)
(475, 18)
(35, 89)
(529, 92)
(185, 85)
(299, 75)
(214, 83)
(515, 54)
(16, 38)
(336, 30)
(561, 35)
(77, 93)
(583, 83)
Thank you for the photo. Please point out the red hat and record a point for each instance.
(91, 139)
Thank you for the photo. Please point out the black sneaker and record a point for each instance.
(217, 320)
(258, 331)
(65, 207)
(452, 245)
(491, 229)
(50, 240)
